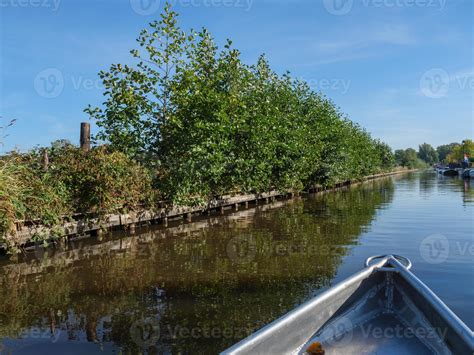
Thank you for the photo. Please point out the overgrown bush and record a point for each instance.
(28, 194)
(102, 182)
(98, 182)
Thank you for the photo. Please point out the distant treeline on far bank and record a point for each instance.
(449, 154)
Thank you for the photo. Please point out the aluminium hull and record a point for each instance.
(384, 308)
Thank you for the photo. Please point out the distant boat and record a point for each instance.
(468, 173)
(448, 171)
(352, 316)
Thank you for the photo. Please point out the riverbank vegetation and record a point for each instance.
(93, 184)
(427, 155)
(210, 124)
(188, 123)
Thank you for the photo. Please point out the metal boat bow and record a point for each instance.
(384, 308)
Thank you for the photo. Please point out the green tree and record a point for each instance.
(386, 154)
(444, 150)
(457, 154)
(138, 98)
(410, 157)
(400, 157)
(428, 154)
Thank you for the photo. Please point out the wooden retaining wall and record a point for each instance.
(25, 233)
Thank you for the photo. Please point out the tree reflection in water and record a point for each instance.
(197, 287)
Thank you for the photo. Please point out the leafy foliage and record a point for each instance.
(202, 122)
(428, 154)
(102, 182)
(209, 124)
(409, 158)
(27, 193)
(444, 150)
(98, 182)
(457, 153)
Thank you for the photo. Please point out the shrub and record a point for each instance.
(102, 181)
(28, 194)
(98, 182)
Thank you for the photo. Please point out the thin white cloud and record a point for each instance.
(374, 36)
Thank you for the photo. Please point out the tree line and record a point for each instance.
(427, 155)
(187, 123)
(210, 124)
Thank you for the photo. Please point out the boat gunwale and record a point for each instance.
(303, 308)
(441, 308)
(452, 320)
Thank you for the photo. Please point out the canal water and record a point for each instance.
(200, 287)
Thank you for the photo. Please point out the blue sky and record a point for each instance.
(403, 69)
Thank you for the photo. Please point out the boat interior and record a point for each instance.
(383, 316)
(383, 309)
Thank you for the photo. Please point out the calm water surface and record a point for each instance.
(200, 287)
